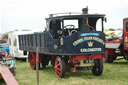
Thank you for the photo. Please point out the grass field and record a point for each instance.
(114, 74)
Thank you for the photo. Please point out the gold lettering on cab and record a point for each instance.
(90, 49)
(86, 39)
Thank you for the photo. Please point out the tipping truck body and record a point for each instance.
(118, 47)
(69, 41)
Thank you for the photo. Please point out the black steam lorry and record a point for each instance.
(70, 40)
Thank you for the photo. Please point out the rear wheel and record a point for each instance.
(59, 67)
(31, 61)
(98, 67)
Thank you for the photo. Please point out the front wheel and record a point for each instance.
(59, 67)
(98, 67)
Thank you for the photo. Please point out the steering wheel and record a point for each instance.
(69, 26)
(71, 32)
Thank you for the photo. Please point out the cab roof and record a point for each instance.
(76, 16)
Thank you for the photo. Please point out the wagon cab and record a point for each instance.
(74, 35)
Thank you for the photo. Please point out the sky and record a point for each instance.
(31, 14)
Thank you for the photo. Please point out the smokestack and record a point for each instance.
(85, 10)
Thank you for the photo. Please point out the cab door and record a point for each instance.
(125, 24)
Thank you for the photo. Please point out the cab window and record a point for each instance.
(55, 28)
(70, 26)
(98, 25)
(73, 24)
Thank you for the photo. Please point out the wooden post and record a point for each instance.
(37, 65)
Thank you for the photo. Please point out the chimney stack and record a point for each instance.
(85, 10)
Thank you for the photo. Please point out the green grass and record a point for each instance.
(114, 74)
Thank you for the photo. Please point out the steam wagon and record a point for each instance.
(70, 40)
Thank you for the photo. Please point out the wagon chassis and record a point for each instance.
(63, 64)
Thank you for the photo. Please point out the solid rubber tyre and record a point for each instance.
(98, 67)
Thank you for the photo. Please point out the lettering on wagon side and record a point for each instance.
(75, 43)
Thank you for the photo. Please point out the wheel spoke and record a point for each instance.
(57, 72)
(58, 65)
(58, 69)
(31, 61)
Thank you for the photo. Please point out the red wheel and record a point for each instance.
(31, 61)
(59, 67)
